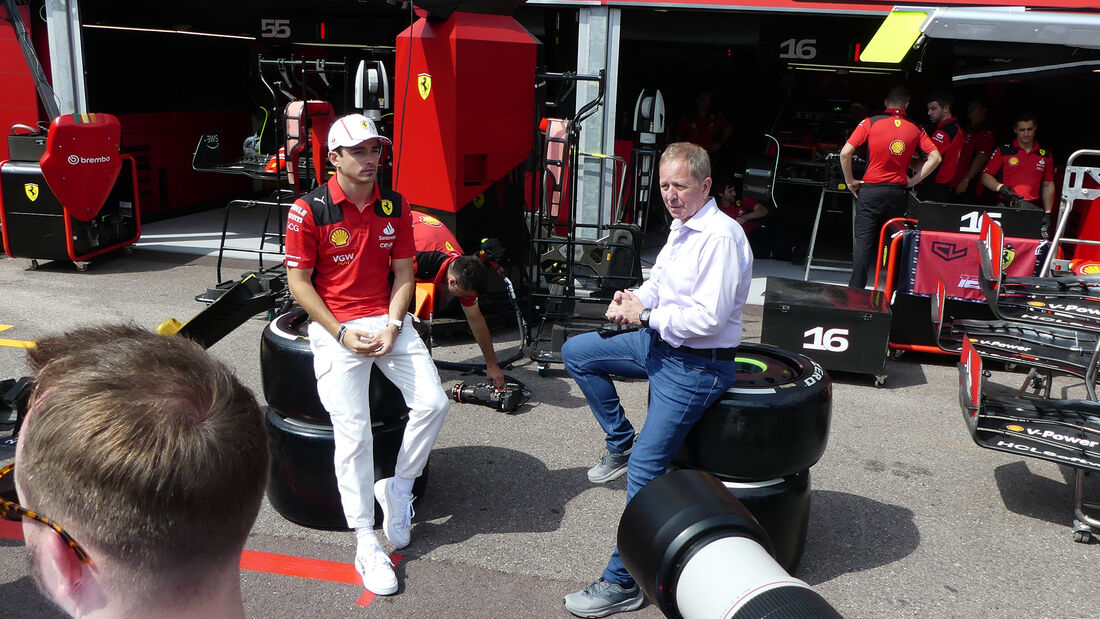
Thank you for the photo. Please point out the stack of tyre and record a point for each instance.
(761, 438)
(302, 486)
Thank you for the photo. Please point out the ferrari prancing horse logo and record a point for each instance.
(424, 85)
(31, 189)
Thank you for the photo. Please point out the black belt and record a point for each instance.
(715, 354)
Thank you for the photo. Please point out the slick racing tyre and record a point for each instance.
(773, 422)
(782, 507)
(290, 385)
(302, 485)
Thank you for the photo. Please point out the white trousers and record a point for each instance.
(343, 382)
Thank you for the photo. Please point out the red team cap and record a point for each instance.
(352, 130)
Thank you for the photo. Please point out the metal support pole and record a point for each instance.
(66, 55)
(598, 49)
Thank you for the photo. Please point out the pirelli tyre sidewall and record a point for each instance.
(773, 422)
(289, 382)
(302, 485)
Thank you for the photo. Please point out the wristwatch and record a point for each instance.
(643, 317)
(397, 323)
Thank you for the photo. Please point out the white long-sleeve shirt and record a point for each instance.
(700, 281)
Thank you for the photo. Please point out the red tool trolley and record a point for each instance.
(73, 197)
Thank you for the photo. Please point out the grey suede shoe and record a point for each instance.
(612, 466)
(603, 598)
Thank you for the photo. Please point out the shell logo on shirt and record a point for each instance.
(1013, 161)
(339, 237)
(431, 221)
(897, 147)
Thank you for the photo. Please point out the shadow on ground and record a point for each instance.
(850, 533)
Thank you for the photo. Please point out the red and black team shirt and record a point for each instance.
(1025, 172)
(979, 139)
(891, 141)
(436, 249)
(349, 251)
(948, 138)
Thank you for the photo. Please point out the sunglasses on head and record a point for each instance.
(16, 512)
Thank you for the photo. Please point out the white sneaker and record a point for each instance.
(397, 512)
(377, 573)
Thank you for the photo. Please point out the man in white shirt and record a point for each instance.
(690, 313)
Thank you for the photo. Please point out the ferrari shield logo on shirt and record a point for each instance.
(897, 122)
(31, 189)
(424, 85)
(339, 237)
(448, 245)
(387, 207)
(897, 147)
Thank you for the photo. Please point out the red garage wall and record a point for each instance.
(18, 103)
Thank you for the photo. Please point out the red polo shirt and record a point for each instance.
(1023, 171)
(703, 130)
(891, 141)
(979, 139)
(436, 249)
(948, 138)
(349, 251)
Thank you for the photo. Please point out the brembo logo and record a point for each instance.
(76, 159)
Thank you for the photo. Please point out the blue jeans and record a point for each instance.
(681, 387)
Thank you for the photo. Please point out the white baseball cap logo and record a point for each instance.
(352, 130)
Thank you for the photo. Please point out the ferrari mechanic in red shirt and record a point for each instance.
(948, 137)
(976, 151)
(439, 260)
(882, 193)
(1026, 168)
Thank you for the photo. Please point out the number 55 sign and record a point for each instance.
(275, 28)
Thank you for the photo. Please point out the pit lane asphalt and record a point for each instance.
(908, 517)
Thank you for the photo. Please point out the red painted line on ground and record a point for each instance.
(269, 563)
(11, 530)
(302, 567)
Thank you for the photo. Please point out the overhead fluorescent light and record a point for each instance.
(1031, 71)
(215, 35)
(843, 68)
(380, 48)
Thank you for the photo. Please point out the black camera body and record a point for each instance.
(507, 398)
